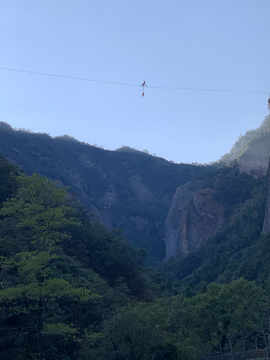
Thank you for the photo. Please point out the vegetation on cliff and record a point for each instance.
(236, 249)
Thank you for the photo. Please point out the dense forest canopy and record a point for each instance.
(72, 290)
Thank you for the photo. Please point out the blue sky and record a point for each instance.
(193, 44)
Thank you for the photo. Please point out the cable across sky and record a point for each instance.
(132, 85)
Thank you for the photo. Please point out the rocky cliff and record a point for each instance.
(195, 214)
(193, 217)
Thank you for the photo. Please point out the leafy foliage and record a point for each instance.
(49, 300)
(72, 290)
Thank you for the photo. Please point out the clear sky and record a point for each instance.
(194, 44)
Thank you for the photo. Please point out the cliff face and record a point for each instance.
(193, 217)
(254, 160)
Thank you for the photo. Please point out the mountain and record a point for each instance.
(193, 217)
(218, 226)
(70, 289)
(125, 188)
(168, 209)
(201, 207)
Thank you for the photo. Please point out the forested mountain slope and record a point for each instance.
(167, 209)
(125, 189)
(61, 274)
(70, 290)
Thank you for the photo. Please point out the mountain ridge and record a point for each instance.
(125, 188)
(152, 199)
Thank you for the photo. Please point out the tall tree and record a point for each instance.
(40, 209)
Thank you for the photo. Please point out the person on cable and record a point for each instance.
(143, 85)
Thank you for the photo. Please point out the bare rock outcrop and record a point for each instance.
(254, 161)
(194, 216)
(251, 151)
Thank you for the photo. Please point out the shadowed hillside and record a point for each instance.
(125, 188)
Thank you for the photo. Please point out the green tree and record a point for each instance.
(8, 180)
(41, 209)
(226, 315)
(134, 333)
